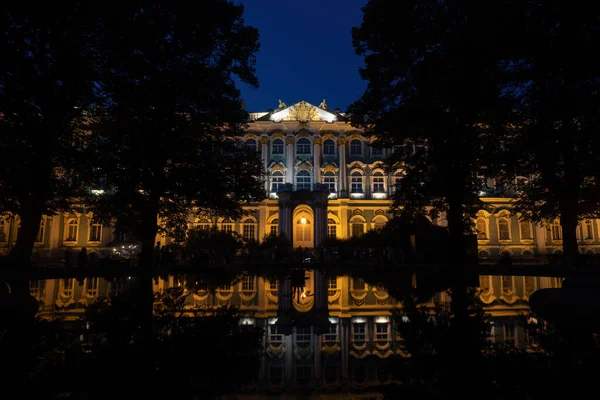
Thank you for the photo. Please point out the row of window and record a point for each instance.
(71, 231)
(304, 147)
(585, 231)
(329, 180)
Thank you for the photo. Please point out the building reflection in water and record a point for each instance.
(320, 331)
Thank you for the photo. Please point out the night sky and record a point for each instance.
(305, 52)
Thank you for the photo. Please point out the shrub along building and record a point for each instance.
(323, 178)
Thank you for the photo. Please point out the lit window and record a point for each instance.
(67, 287)
(357, 182)
(525, 228)
(203, 224)
(358, 229)
(382, 332)
(91, 286)
(303, 180)
(329, 181)
(227, 226)
(303, 146)
(503, 229)
(277, 181)
(249, 232)
(248, 284)
(72, 230)
(41, 231)
(329, 147)
(95, 231)
(556, 231)
(359, 332)
(355, 147)
(332, 285)
(331, 335)
(481, 229)
(380, 222)
(303, 336)
(378, 183)
(588, 230)
(331, 228)
(274, 226)
(277, 146)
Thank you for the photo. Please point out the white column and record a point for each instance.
(265, 158)
(343, 178)
(289, 159)
(317, 158)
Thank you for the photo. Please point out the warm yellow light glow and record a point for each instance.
(303, 220)
(303, 295)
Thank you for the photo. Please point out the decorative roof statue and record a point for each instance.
(323, 105)
(281, 105)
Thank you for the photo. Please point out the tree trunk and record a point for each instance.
(30, 215)
(568, 222)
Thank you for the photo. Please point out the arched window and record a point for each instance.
(503, 229)
(303, 146)
(227, 226)
(303, 180)
(329, 181)
(249, 231)
(72, 230)
(356, 183)
(41, 231)
(481, 229)
(588, 230)
(556, 230)
(526, 231)
(331, 228)
(358, 227)
(95, 231)
(378, 182)
(277, 146)
(379, 222)
(274, 226)
(251, 144)
(276, 181)
(203, 224)
(355, 147)
(329, 147)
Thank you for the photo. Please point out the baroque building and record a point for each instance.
(323, 178)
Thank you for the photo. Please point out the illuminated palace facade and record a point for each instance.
(323, 179)
(346, 333)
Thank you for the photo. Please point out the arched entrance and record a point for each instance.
(304, 227)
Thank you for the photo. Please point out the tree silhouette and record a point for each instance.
(47, 82)
(554, 87)
(171, 102)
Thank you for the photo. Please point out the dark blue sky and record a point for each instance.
(305, 52)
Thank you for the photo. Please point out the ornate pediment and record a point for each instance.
(276, 166)
(303, 164)
(303, 112)
(329, 167)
